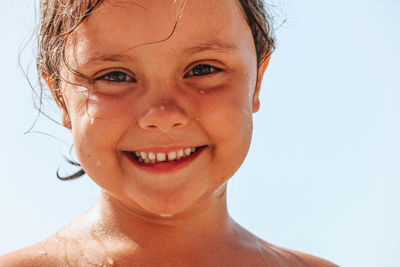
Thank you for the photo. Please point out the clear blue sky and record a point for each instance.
(323, 172)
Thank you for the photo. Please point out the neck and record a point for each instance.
(207, 224)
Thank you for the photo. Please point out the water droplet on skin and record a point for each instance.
(166, 215)
(219, 190)
(162, 107)
(113, 120)
(110, 261)
(98, 163)
(197, 119)
(202, 92)
(91, 121)
(42, 252)
(245, 111)
(92, 97)
(83, 90)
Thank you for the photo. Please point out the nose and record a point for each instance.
(163, 117)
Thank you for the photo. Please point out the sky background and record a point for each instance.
(323, 172)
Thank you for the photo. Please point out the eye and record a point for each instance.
(202, 70)
(116, 77)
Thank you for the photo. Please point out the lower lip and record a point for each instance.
(166, 166)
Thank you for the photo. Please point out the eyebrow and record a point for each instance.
(189, 51)
(210, 46)
(109, 58)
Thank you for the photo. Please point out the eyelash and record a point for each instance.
(211, 69)
(123, 77)
(197, 70)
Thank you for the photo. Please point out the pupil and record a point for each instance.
(201, 70)
(117, 76)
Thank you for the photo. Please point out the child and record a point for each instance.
(159, 96)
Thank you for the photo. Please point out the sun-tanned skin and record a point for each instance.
(97, 245)
(156, 216)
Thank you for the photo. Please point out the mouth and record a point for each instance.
(164, 160)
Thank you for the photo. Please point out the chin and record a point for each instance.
(169, 203)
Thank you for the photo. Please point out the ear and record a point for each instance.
(58, 97)
(261, 69)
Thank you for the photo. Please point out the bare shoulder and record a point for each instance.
(311, 260)
(289, 257)
(52, 251)
(32, 256)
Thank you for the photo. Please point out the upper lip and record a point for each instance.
(163, 149)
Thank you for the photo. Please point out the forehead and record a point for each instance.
(121, 25)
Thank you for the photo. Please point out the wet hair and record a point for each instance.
(60, 18)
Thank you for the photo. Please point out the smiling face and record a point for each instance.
(166, 118)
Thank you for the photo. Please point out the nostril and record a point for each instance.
(163, 117)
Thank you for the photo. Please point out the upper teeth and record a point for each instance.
(153, 157)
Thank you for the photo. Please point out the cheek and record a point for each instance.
(110, 107)
(232, 121)
(95, 138)
(228, 109)
(96, 119)
(95, 143)
(228, 121)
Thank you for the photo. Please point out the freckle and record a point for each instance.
(162, 107)
(202, 92)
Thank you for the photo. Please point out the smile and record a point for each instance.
(164, 161)
(157, 157)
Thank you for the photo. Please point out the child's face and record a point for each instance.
(192, 90)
